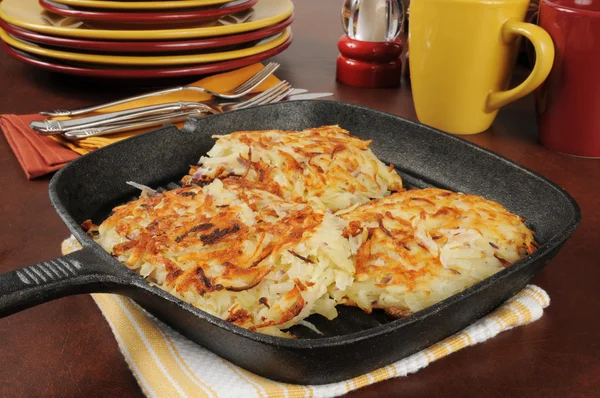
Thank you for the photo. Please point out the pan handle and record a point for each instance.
(82, 271)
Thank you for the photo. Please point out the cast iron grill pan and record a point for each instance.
(355, 342)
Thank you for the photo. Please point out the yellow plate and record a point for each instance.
(262, 46)
(28, 14)
(141, 5)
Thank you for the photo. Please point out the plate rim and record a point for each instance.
(194, 70)
(147, 60)
(159, 34)
(176, 15)
(142, 5)
(145, 46)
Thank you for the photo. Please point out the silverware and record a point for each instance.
(51, 127)
(237, 92)
(272, 95)
(298, 94)
(135, 125)
(176, 117)
(307, 96)
(298, 91)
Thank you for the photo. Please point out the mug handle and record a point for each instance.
(544, 52)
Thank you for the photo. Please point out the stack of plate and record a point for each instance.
(144, 39)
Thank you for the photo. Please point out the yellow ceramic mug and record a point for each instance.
(461, 55)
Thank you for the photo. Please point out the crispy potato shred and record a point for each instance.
(324, 166)
(418, 247)
(274, 226)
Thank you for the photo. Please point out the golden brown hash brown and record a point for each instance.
(320, 165)
(235, 251)
(252, 239)
(418, 247)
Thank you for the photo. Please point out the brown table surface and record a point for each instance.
(65, 348)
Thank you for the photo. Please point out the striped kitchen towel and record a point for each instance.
(166, 364)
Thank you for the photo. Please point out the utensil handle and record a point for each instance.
(81, 111)
(109, 118)
(79, 272)
(544, 51)
(137, 124)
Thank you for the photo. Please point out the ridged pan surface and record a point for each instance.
(355, 342)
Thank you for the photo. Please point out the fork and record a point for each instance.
(237, 92)
(272, 95)
(50, 127)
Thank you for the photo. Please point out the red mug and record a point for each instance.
(568, 103)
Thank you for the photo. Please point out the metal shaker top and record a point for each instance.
(372, 20)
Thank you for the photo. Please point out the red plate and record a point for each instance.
(107, 47)
(82, 69)
(177, 16)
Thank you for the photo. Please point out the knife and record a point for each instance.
(297, 95)
(307, 96)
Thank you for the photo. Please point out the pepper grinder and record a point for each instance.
(370, 48)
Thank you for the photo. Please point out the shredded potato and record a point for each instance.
(253, 239)
(418, 247)
(324, 166)
(239, 253)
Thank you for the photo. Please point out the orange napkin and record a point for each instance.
(39, 155)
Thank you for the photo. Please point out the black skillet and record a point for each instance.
(355, 342)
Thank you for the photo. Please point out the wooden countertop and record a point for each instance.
(66, 349)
